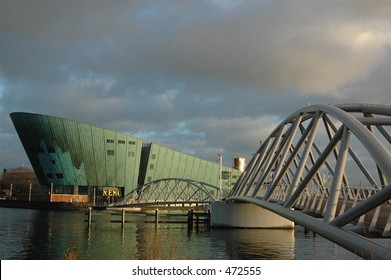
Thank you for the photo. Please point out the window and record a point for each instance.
(130, 154)
(49, 175)
(53, 161)
(132, 143)
(153, 156)
(110, 152)
(151, 166)
(110, 140)
(121, 141)
(149, 179)
(59, 175)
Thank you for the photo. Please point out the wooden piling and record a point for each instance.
(89, 216)
(190, 219)
(208, 219)
(123, 217)
(156, 217)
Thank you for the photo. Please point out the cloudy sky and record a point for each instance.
(198, 76)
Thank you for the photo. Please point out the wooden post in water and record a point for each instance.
(190, 219)
(123, 217)
(89, 216)
(208, 219)
(156, 217)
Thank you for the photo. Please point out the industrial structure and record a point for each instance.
(89, 163)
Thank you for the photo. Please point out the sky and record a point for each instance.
(202, 77)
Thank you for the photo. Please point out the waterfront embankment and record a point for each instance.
(43, 205)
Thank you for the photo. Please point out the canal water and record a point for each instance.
(57, 235)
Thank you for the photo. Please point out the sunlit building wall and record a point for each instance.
(84, 159)
(161, 162)
(68, 153)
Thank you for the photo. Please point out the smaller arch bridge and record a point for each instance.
(170, 191)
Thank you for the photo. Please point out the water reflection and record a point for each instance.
(49, 235)
(255, 243)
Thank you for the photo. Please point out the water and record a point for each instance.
(51, 235)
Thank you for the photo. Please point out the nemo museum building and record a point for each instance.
(81, 162)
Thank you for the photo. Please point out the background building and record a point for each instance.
(20, 183)
(99, 164)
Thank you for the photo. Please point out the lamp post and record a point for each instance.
(220, 172)
(94, 198)
(30, 188)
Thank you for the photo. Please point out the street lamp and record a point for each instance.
(29, 190)
(220, 171)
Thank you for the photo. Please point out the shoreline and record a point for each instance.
(44, 205)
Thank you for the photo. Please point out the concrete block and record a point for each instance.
(246, 215)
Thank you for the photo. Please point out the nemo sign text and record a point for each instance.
(111, 192)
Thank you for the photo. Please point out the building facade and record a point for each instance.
(76, 158)
(20, 184)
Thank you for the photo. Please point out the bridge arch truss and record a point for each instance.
(170, 191)
(329, 160)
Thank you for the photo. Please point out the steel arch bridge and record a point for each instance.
(170, 191)
(333, 163)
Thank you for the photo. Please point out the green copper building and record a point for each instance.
(77, 158)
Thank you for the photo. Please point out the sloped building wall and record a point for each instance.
(65, 152)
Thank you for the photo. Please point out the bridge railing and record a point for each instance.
(348, 193)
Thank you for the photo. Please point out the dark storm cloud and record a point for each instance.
(200, 76)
